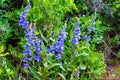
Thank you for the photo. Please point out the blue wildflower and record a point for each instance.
(25, 65)
(58, 47)
(33, 42)
(75, 40)
(27, 51)
(37, 58)
(77, 74)
(60, 63)
(76, 33)
(51, 49)
(37, 46)
(26, 59)
(27, 47)
(23, 22)
(58, 55)
(91, 28)
(27, 7)
(87, 38)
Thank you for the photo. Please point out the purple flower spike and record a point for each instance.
(23, 22)
(76, 33)
(28, 6)
(59, 45)
(33, 42)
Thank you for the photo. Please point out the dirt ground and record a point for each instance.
(112, 70)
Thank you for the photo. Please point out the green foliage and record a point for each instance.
(5, 29)
(81, 4)
(4, 4)
(50, 10)
(6, 69)
(118, 53)
(117, 70)
(115, 40)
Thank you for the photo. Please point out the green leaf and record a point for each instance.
(43, 36)
(56, 64)
(43, 47)
(62, 76)
(34, 72)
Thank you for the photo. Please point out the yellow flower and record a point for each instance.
(2, 48)
(4, 54)
(37, 33)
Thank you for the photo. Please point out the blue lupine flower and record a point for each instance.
(87, 38)
(58, 47)
(37, 58)
(75, 40)
(23, 22)
(28, 47)
(26, 51)
(58, 55)
(51, 49)
(25, 65)
(26, 59)
(37, 47)
(91, 28)
(77, 74)
(31, 39)
(28, 7)
(76, 33)
(27, 32)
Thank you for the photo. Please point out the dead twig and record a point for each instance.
(110, 51)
